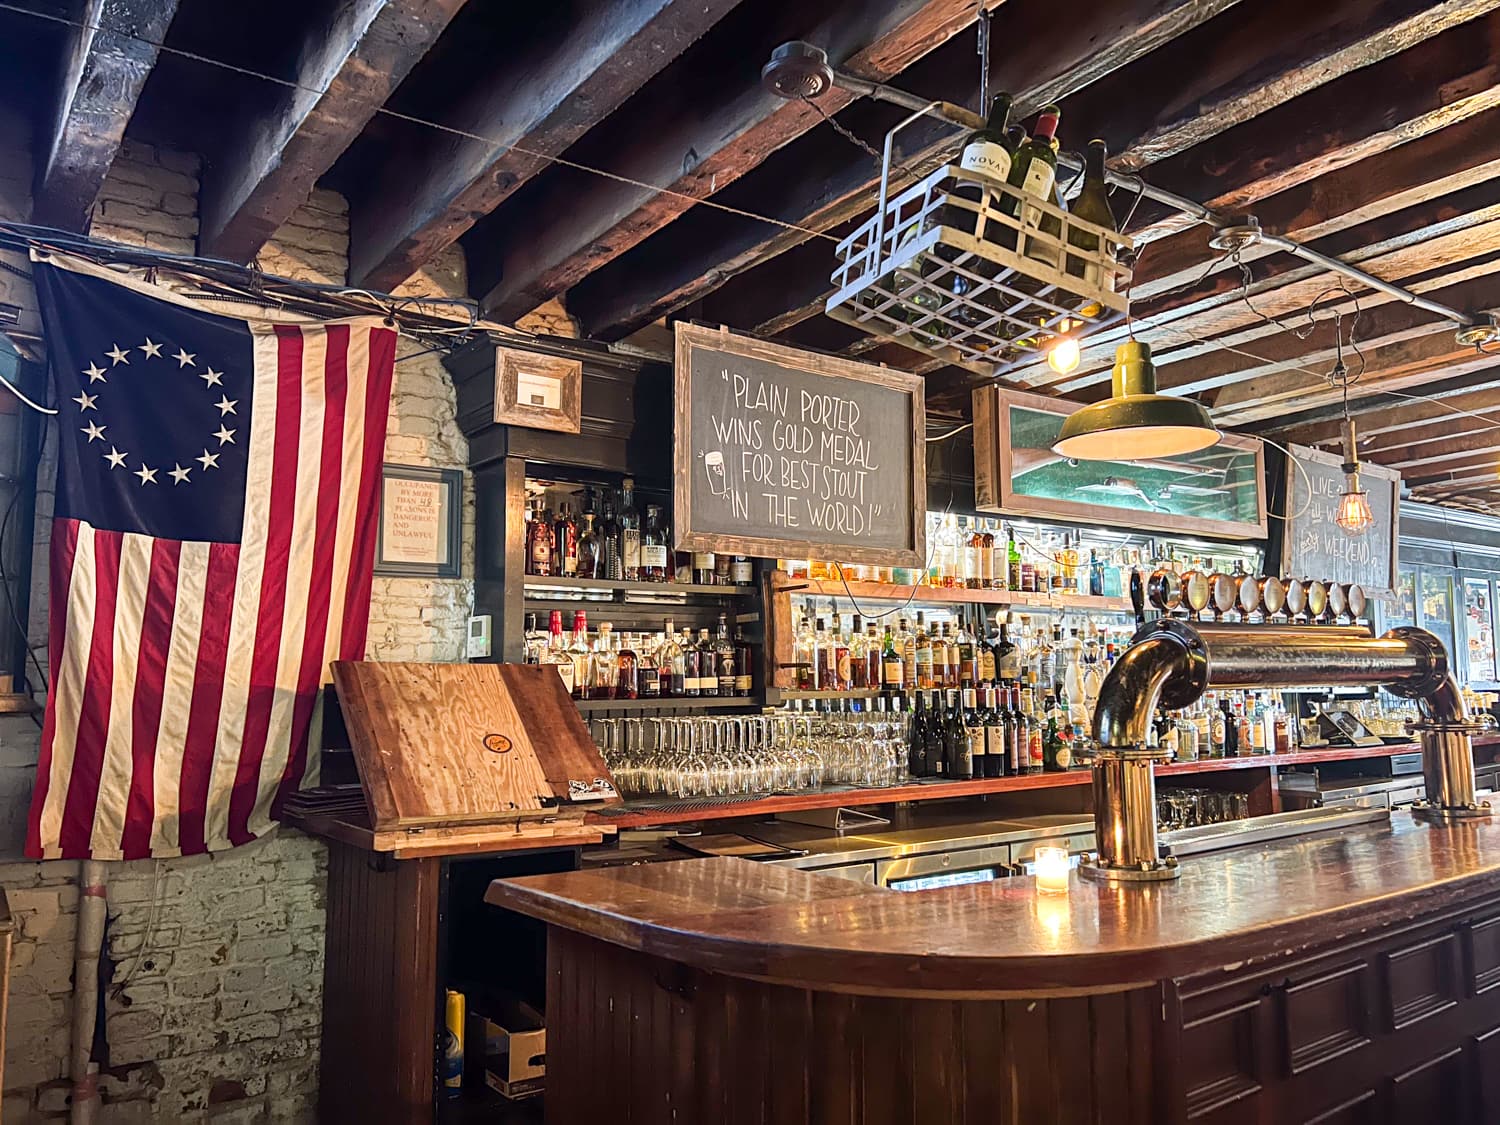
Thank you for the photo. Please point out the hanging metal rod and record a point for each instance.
(802, 70)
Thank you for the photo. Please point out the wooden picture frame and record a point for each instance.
(691, 337)
(539, 392)
(995, 466)
(419, 531)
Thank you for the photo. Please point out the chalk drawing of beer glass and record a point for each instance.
(713, 465)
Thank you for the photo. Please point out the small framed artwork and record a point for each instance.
(421, 513)
(542, 392)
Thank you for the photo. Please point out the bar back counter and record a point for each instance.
(1343, 976)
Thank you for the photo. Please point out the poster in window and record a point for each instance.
(1479, 628)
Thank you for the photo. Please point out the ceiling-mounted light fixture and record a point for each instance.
(1064, 355)
(1135, 422)
(1354, 514)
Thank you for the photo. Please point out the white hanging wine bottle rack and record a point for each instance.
(976, 272)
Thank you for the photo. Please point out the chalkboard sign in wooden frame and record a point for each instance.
(1308, 524)
(822, 458)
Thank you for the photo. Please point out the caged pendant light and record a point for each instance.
(1135, 422)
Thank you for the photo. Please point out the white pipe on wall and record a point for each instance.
(92, 910)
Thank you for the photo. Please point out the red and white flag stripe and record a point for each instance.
(185, 675)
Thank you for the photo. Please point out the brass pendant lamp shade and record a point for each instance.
(1135, 422)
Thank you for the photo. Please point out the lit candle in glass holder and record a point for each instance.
(1052, 870)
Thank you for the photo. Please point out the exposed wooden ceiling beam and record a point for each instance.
(103, 73)
(1454, 158)
(348, 67)
(1304, 425)
(538, 255)
(530, 108)
(1080, 51)
(1480, 450)
(1439, 82)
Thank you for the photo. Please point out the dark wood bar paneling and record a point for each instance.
(380, 960)
(637, 1040)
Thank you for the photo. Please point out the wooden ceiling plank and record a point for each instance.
(1080, 52)
(538, 256)
(106, 66)
(530, 109)
(1410, 424)
(1401, 367)
(348, 68)
(1290, 425)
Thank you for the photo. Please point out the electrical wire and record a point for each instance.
(21, 395)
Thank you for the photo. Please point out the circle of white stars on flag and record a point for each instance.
(94, 428)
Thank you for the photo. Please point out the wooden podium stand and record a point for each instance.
(457, 763)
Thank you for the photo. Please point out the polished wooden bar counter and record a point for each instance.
(1346, 976)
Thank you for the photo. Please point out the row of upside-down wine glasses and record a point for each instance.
(730, 755)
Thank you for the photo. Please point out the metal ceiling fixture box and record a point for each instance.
(1135, 421)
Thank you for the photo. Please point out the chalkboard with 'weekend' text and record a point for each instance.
(1314, 546)
(782, 453)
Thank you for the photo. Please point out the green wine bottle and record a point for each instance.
(1093, 206)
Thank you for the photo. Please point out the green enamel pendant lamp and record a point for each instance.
(1135, 422)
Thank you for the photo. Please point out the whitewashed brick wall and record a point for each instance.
(218, 961)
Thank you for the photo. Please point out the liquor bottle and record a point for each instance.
(906, 645)
(539, 542)
(916, 754)
(1096, 573)
(994, 735)
(692, 667)
(824, 659)
(744, 677)
(940, 667)
(805, 657)
(1218, 732)
(627, 681)
(654, 552)
(892, 668)
(1055, 757)
(984, 546)
(708, 668)
(603, 668)
(872, 657)
(724, 670)
(842, 664)
(533, 640)
(1035, 747)
(609, 545)
(1007, 657)
(741, 571)
(984, 661)
(1091, 205)
(1018, 759)
(682, 566)
(588, 549)
(1231, 730)
(669, 662)
(967, 668)
(565, 541)
(923, 643)
(859, 667)
(648, 669)
(703, 568)
(629, 522)
(974, 756)
(580, 654)
(723, 570)
(1243, 725)
(556, 652)
(968, 557)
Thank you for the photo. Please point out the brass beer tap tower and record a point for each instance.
(1172, 662)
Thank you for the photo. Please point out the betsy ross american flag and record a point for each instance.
(212, 548)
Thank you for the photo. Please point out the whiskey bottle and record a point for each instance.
(724, 661)
(629, 521)
(654, 553)
(565, 541)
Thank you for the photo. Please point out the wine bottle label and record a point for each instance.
(703, 560)
(653, 555)
(743, 572)
(650, 682)
(742, 683)
(987, 158)
(977, 746)
(1039, 179)
(569, 565)
(986, 665)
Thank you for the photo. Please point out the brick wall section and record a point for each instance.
(216, 998)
